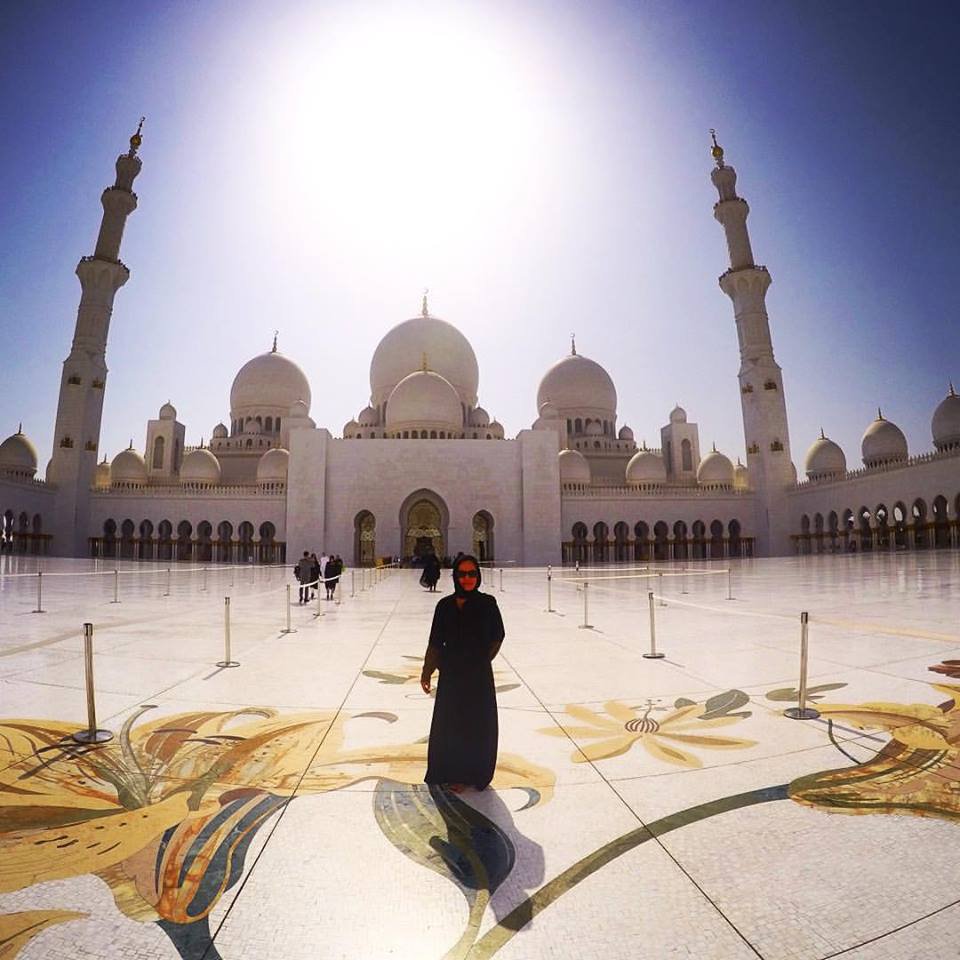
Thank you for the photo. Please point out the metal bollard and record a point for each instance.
(353, 585)
(501, 579)
(802, 711)
(586, 625)
(289, 629)
(661, 601)
(116, 586)
(652, 655)
(39, 593)
(549, 589)
(729, 583)
(167, 594)
(227, 660)
(92, 734)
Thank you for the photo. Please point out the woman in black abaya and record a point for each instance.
(465, 636)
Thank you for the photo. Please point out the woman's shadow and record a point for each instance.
(485, 850)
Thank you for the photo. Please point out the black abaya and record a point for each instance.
(463, 734)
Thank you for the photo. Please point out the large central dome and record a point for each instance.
(576, 384)
(270, 381)
(424, 341)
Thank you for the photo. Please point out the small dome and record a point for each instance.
(945, 425)
(220, 432)
(272, 466)
(403, 349)
(299, 408)
(425, 400)
(825, 459)
(577, 383)
(350, 429)
(18, 455)
(883, 442)
(101, 476)
(678, 414)
(200, 466)
(496, 428)
(128, 467)
(573, 467)
(168, 412)
(479, 417)
(268, 381)
(645, 466)
(625, 433)
(715, 470)
(594, 429)
(368, 417)
(549, 412)
(741, 476)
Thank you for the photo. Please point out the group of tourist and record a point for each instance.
(312, 570)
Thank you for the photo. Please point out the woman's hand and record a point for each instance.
(425, 682)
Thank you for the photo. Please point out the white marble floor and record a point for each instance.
(642, 807)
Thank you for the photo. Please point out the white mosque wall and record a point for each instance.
(516, 482)
(922, 480)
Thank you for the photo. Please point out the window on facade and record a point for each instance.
(158, 445)
(686, 455)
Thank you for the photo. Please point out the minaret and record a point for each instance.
(761, 382)
(79, 411)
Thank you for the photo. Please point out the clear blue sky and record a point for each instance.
(542, 167)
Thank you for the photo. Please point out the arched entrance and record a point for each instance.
(364, 538)
(483, 536)
(423, 522)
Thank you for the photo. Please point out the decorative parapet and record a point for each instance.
(663, 491)
(274, 490)
(21, 481)
(880, 468)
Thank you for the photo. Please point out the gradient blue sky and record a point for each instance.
(542, 167)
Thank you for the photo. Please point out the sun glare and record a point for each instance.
(407, 128)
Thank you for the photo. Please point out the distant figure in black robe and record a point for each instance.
(431, 572)
(465, 636)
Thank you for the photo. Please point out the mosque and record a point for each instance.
(574, 486)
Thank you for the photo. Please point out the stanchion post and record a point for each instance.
(116, 586)
(586, 625)
(661, 601)
(203, 585)
(227, 660)
(289, 628)
(729, 583)
(501, 579)
(802, 711)
(353, 584)
(549, 589)
(39, 593)
(167, 594)
(92, 734)
(652, 655)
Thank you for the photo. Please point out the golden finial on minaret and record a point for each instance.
(716, 151)
(953, 392)
(424, 310)
(822, 436)
(879, 414)
(137, 138)
(573, 344)
(276, 333)
(20, 427)
(131, 444)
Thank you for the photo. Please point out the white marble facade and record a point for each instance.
(425, 458)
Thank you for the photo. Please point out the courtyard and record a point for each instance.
(642, 807)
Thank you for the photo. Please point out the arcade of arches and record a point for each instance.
(23, 533)
(248, 544)
(902, 527)
(661, 542)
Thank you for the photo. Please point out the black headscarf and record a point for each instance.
(457, 588)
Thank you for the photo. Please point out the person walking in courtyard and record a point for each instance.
(316, 572)
(303, 571)
(431, 572)
(331, 576)
(465, 636)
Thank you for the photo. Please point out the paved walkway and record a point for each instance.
(642, 808)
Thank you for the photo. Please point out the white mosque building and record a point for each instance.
(574, 486)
